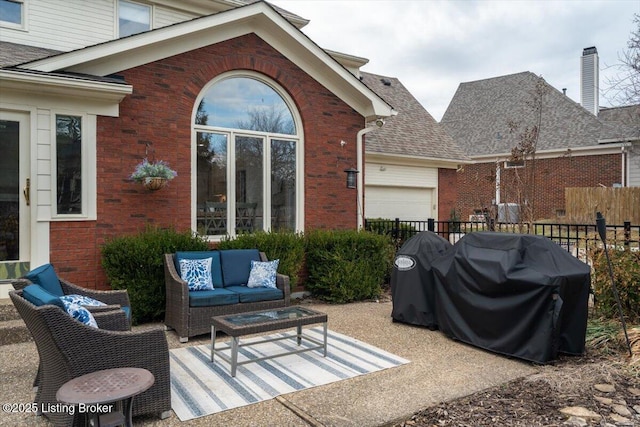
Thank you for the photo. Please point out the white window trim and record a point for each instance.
(89, 170)
(23, 21)
(298, 138)
(116, 23)
(508, 164)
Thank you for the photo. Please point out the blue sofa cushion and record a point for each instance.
(216, 270)
(257, 294)
(219, 296)
(46, 277)
(236, 265)
(37, 295)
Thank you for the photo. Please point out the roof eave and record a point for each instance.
(64, 86)
(611, 148)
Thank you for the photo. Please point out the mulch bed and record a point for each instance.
(537, 399)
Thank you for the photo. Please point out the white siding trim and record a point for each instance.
(402, 176)
(633, 165)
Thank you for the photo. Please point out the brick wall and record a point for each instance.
(447, 193)
(476, 183)
(159, 113)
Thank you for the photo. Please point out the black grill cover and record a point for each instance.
(519, 295)
(412, 279)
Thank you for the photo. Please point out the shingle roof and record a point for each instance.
(14, 54)
(479, 114)
(626, 116)
(413, 132)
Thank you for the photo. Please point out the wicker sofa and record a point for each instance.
(68, 349)
(189, 312)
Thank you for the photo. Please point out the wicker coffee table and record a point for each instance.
(255, 322)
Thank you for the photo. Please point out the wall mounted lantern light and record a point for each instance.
(351, 177)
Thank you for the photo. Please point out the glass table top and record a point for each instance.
(270, 315)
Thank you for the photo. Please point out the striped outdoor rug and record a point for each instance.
(200, 388)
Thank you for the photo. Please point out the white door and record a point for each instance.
(406, 203)
(14, 197)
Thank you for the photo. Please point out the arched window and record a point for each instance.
(248, 151)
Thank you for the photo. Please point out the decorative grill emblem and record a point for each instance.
(404, 262)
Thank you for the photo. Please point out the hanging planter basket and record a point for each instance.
(154, 183)
(153, 175)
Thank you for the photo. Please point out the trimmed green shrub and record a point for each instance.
(135, 263)
(626, 273)
(346, 266)
(288, 247)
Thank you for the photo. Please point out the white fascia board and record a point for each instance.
(347, 59)
(407, 160)
(259, 18)
(593, 150)
(63, 86)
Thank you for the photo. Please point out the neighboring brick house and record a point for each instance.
(574, 148)
(75, 124)
(410, 161)
(628, 116)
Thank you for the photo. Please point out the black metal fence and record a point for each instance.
(575, 238)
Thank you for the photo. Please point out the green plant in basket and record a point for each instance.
(156, 169)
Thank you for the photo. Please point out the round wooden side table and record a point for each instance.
(96, 389)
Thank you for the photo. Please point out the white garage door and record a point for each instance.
(398, 202)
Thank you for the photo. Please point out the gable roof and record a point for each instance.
(413, 132)
(479, 114)
(260, 18)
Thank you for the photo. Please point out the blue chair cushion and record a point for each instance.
(257, 294)
(127, 311)
(236, 265)
(38, 296)
(46, 277)
(219, 296)
(216, 270)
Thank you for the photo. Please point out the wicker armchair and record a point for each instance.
(68, 349)
(114, 299)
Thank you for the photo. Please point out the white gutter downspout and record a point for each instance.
(625, 177)
(497, 183)
(360, 167)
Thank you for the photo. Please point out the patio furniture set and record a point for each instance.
(85, 342)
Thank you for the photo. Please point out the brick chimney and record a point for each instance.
(589, 76)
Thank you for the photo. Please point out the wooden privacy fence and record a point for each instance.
(616, 204)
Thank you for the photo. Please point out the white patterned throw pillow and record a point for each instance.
(82, 300)
(263, 274)
(197, 273)
(79, 313)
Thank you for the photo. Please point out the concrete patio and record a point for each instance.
(440, 369)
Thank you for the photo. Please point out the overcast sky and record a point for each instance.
(433, 46)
